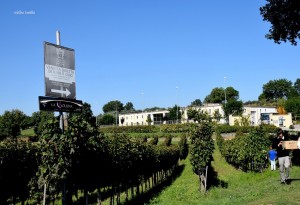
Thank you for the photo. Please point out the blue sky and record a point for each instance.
(139, 51)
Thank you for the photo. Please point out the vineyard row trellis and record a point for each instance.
(81, 159)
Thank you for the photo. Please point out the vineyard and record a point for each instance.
(84, 164)
(83, 160)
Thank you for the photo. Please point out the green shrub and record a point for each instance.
(246, 149)
(168, 140)
(154, 140)
(183, 147)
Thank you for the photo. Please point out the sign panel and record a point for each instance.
(60, 104)
(59, 69)
(290, 144)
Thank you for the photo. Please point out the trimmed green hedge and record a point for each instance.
(130, 129)
(164, 128)
(244, 129)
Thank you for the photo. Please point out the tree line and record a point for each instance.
(281, 93)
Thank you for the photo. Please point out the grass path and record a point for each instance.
(240, 187)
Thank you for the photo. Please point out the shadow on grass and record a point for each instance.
(93, 197)
(213, 180)
(145, 197)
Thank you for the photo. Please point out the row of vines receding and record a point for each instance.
(83, 160)
(246, 151)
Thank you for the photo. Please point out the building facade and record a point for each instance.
(255, 115)
(212, 109)
(258, 115)
(143, 118)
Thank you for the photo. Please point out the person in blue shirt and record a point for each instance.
(272, 157)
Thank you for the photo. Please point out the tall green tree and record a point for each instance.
(196, 102)
(192, 113)
(233, 107)
(128, 106)
(11, 123)
(113, 106)
(217, 95)
(39, 119)
(217, 115)
(106, 119)
(297, 86)
(293, 105)
(275, 89)
(232, 93)
(175, 113)
(284, 16)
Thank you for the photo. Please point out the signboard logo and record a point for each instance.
(60, 104)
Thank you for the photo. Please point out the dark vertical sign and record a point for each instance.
(59, 65)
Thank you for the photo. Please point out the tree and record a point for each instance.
(232, 93)
(112, 106)
(233, 107)
(217, 115)
(275, 89)
(191, 113)
(217, 95)
(11, 123)
(285, 19)
(39, 119)
(293, 105)
(297, 85)
(129, 106)
(86, 114)
(198, 115)
(106, 119)
(175, 113)
(153, 109)
(196, 102)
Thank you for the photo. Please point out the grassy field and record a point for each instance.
(27, 132)
(232, 187)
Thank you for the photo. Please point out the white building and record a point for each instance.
(141, 118)
(210, 108)
(256, 115)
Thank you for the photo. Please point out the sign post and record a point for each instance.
(60, 85)
(59, 75)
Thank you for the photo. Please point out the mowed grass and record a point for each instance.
(235, 187)
(27, 132)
